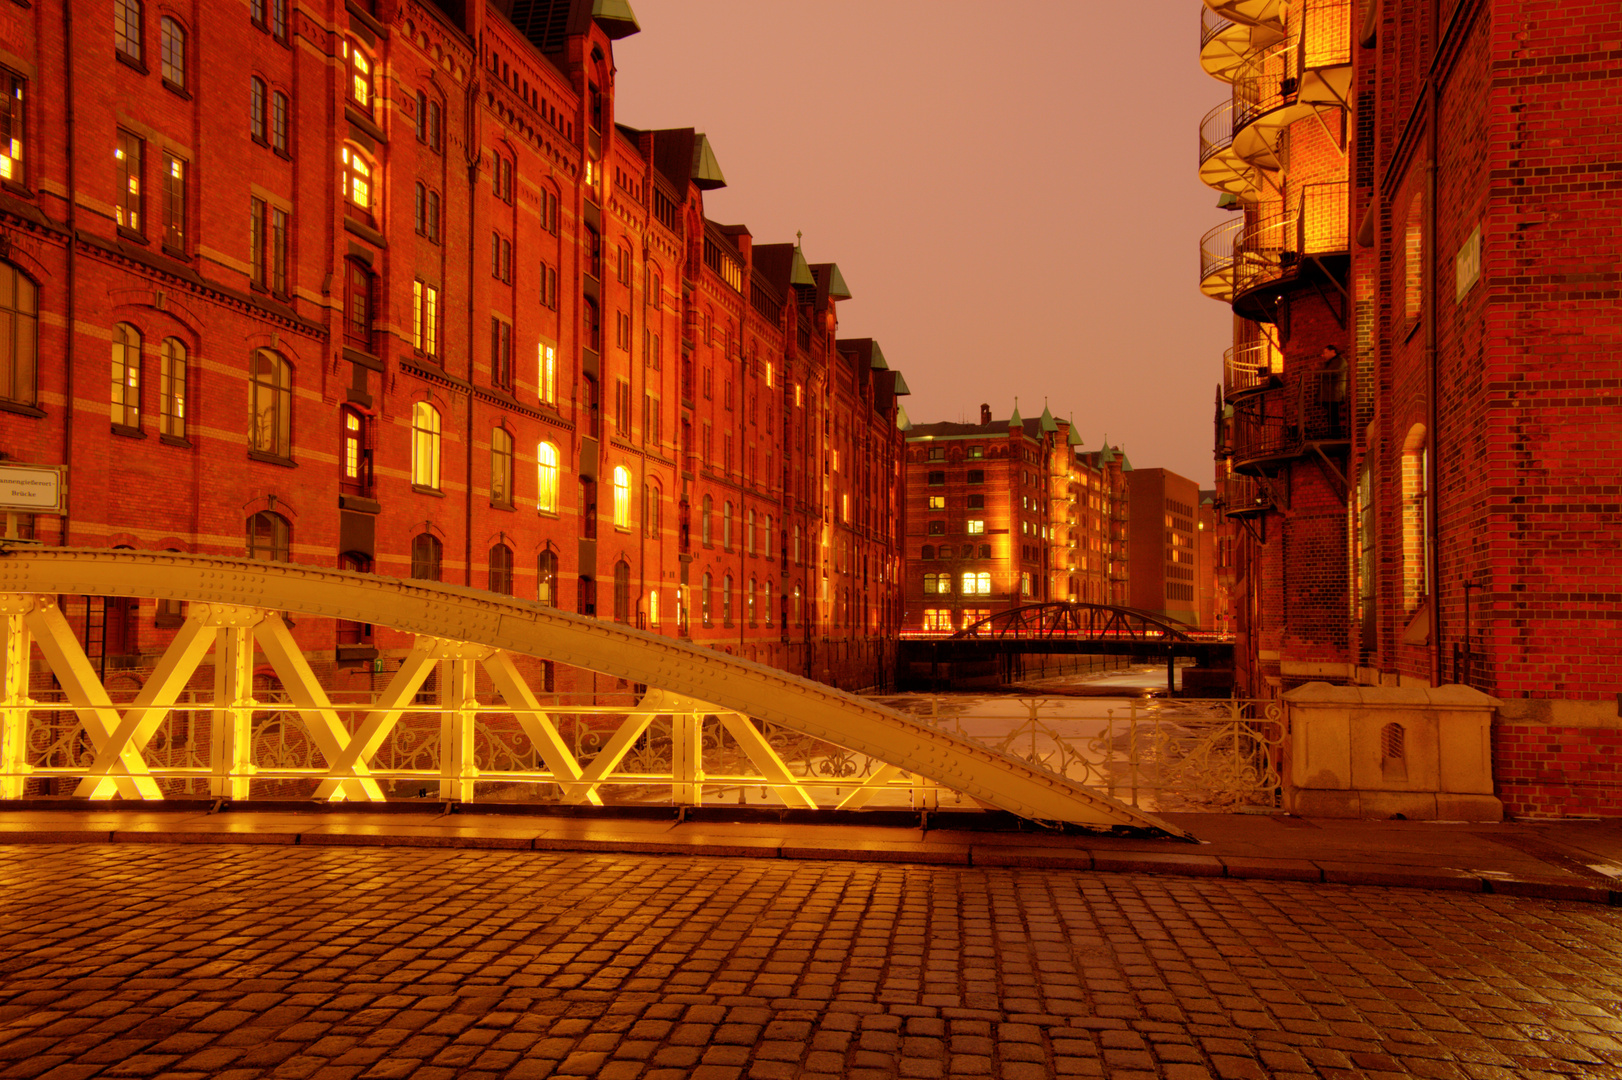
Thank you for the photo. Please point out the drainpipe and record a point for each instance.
(73, 274)
(1433, 568)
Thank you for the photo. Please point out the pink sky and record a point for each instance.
(1008, 188)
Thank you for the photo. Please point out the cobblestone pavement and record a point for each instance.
(238, 962)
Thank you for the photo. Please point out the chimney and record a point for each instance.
(985, 414)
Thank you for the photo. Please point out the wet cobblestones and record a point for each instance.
(339, 963)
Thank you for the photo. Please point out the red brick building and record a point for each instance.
(389, 285)
(1005, 513)
(1416, 424)
(1165, 573)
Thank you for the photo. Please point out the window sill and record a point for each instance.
(354, 653)
(366, 18)
(130, 61)
(282, 152)
(360, 504)
(128, 432)
(175, 440)
(272, 459)
(168, 622)
(507, 506)
(542, 512)
(421, 489)
(22, 410)
(131, 235)
(363, 358)
(176, 89)
(364, 229)
(16, 188)
(364, 122)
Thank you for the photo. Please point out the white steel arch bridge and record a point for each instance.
(479, 733)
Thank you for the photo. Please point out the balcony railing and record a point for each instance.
(1216, 131)
(1243, 496)
(1246, 368)
(1282, 423)
(1212, 24)
(1272, 247)
(1216, 259)
(1271, 78)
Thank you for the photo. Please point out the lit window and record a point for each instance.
(19, 327)
(976, 526)
(127, 28)
(976, 583)
(546, 468)
(939, 584)
(937, 618)
(425, 318)
(128, 207)
(653, 608)
(174, 203)
(622, 497)
(501, 467)
(424, 445)
(352, 434)
(937, 502)
(357, 180)
(172, 41)
(271, 405)
(12, 116)
(547, 373)
(172, 389)
(360, 77)
(126, 398)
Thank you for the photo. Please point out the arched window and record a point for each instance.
(501, 467)
(126, 398)
(546, 474)
(270, 405)
(749, 534)
(354, 458)
(705, 516)
(726, 525)
(796, 545)
(501, 569)
(19, 333)
(704, 599)
(766, 602)
(726, 600)
(928, 552)
(127, 28)
(257, 126)
(269, 537)
(172, 389)
(591, 328)
(424, 446)
(546, 578)
(622, 591)
(172, 40)
(1415, 518)
(749, 603)
(426, 555)
(622, 497)
(594, 254)
(278, 122)
(357, 180)
(653, 608)
(798, 619)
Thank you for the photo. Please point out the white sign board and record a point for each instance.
(38, 488)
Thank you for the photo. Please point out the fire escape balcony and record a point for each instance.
(1276, 426)
(1292, 79)
(1216, 260)
(1247, 369)
(1223, 44)
(1306, 240)
(1221, 167)
(1249, 12)
(1243, 496)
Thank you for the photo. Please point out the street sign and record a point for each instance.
(36, 488)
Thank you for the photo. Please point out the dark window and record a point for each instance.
(19, 330)
(546, 578)
(622, 591)
(278, 122)
(426, 553)
(256, 109)
(172, 42)
(127, 28)
(270, 399)
(358, 304)
(172, 389)
(269, 537)
(977, 476)
(126, 382)
(937, 478)
(501, 569)
(937, 528)
(129, 205)
(354, 633)
(501, 354)
(977, 502)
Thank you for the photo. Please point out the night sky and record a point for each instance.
(1009, 189)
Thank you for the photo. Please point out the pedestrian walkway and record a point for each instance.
(182, 961)
(1568, 860)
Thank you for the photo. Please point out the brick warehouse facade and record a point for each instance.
(1003, 513)
(1433, 496)
(385, 285)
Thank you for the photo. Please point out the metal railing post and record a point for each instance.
(14, 702)
(458, 708)
(231, 730)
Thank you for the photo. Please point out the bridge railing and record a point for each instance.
(1161, 755)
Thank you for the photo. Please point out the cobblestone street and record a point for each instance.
(237, 962)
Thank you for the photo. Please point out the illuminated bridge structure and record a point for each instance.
(1065, 627)
(460, 717)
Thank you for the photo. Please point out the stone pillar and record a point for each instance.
(1381, 751)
